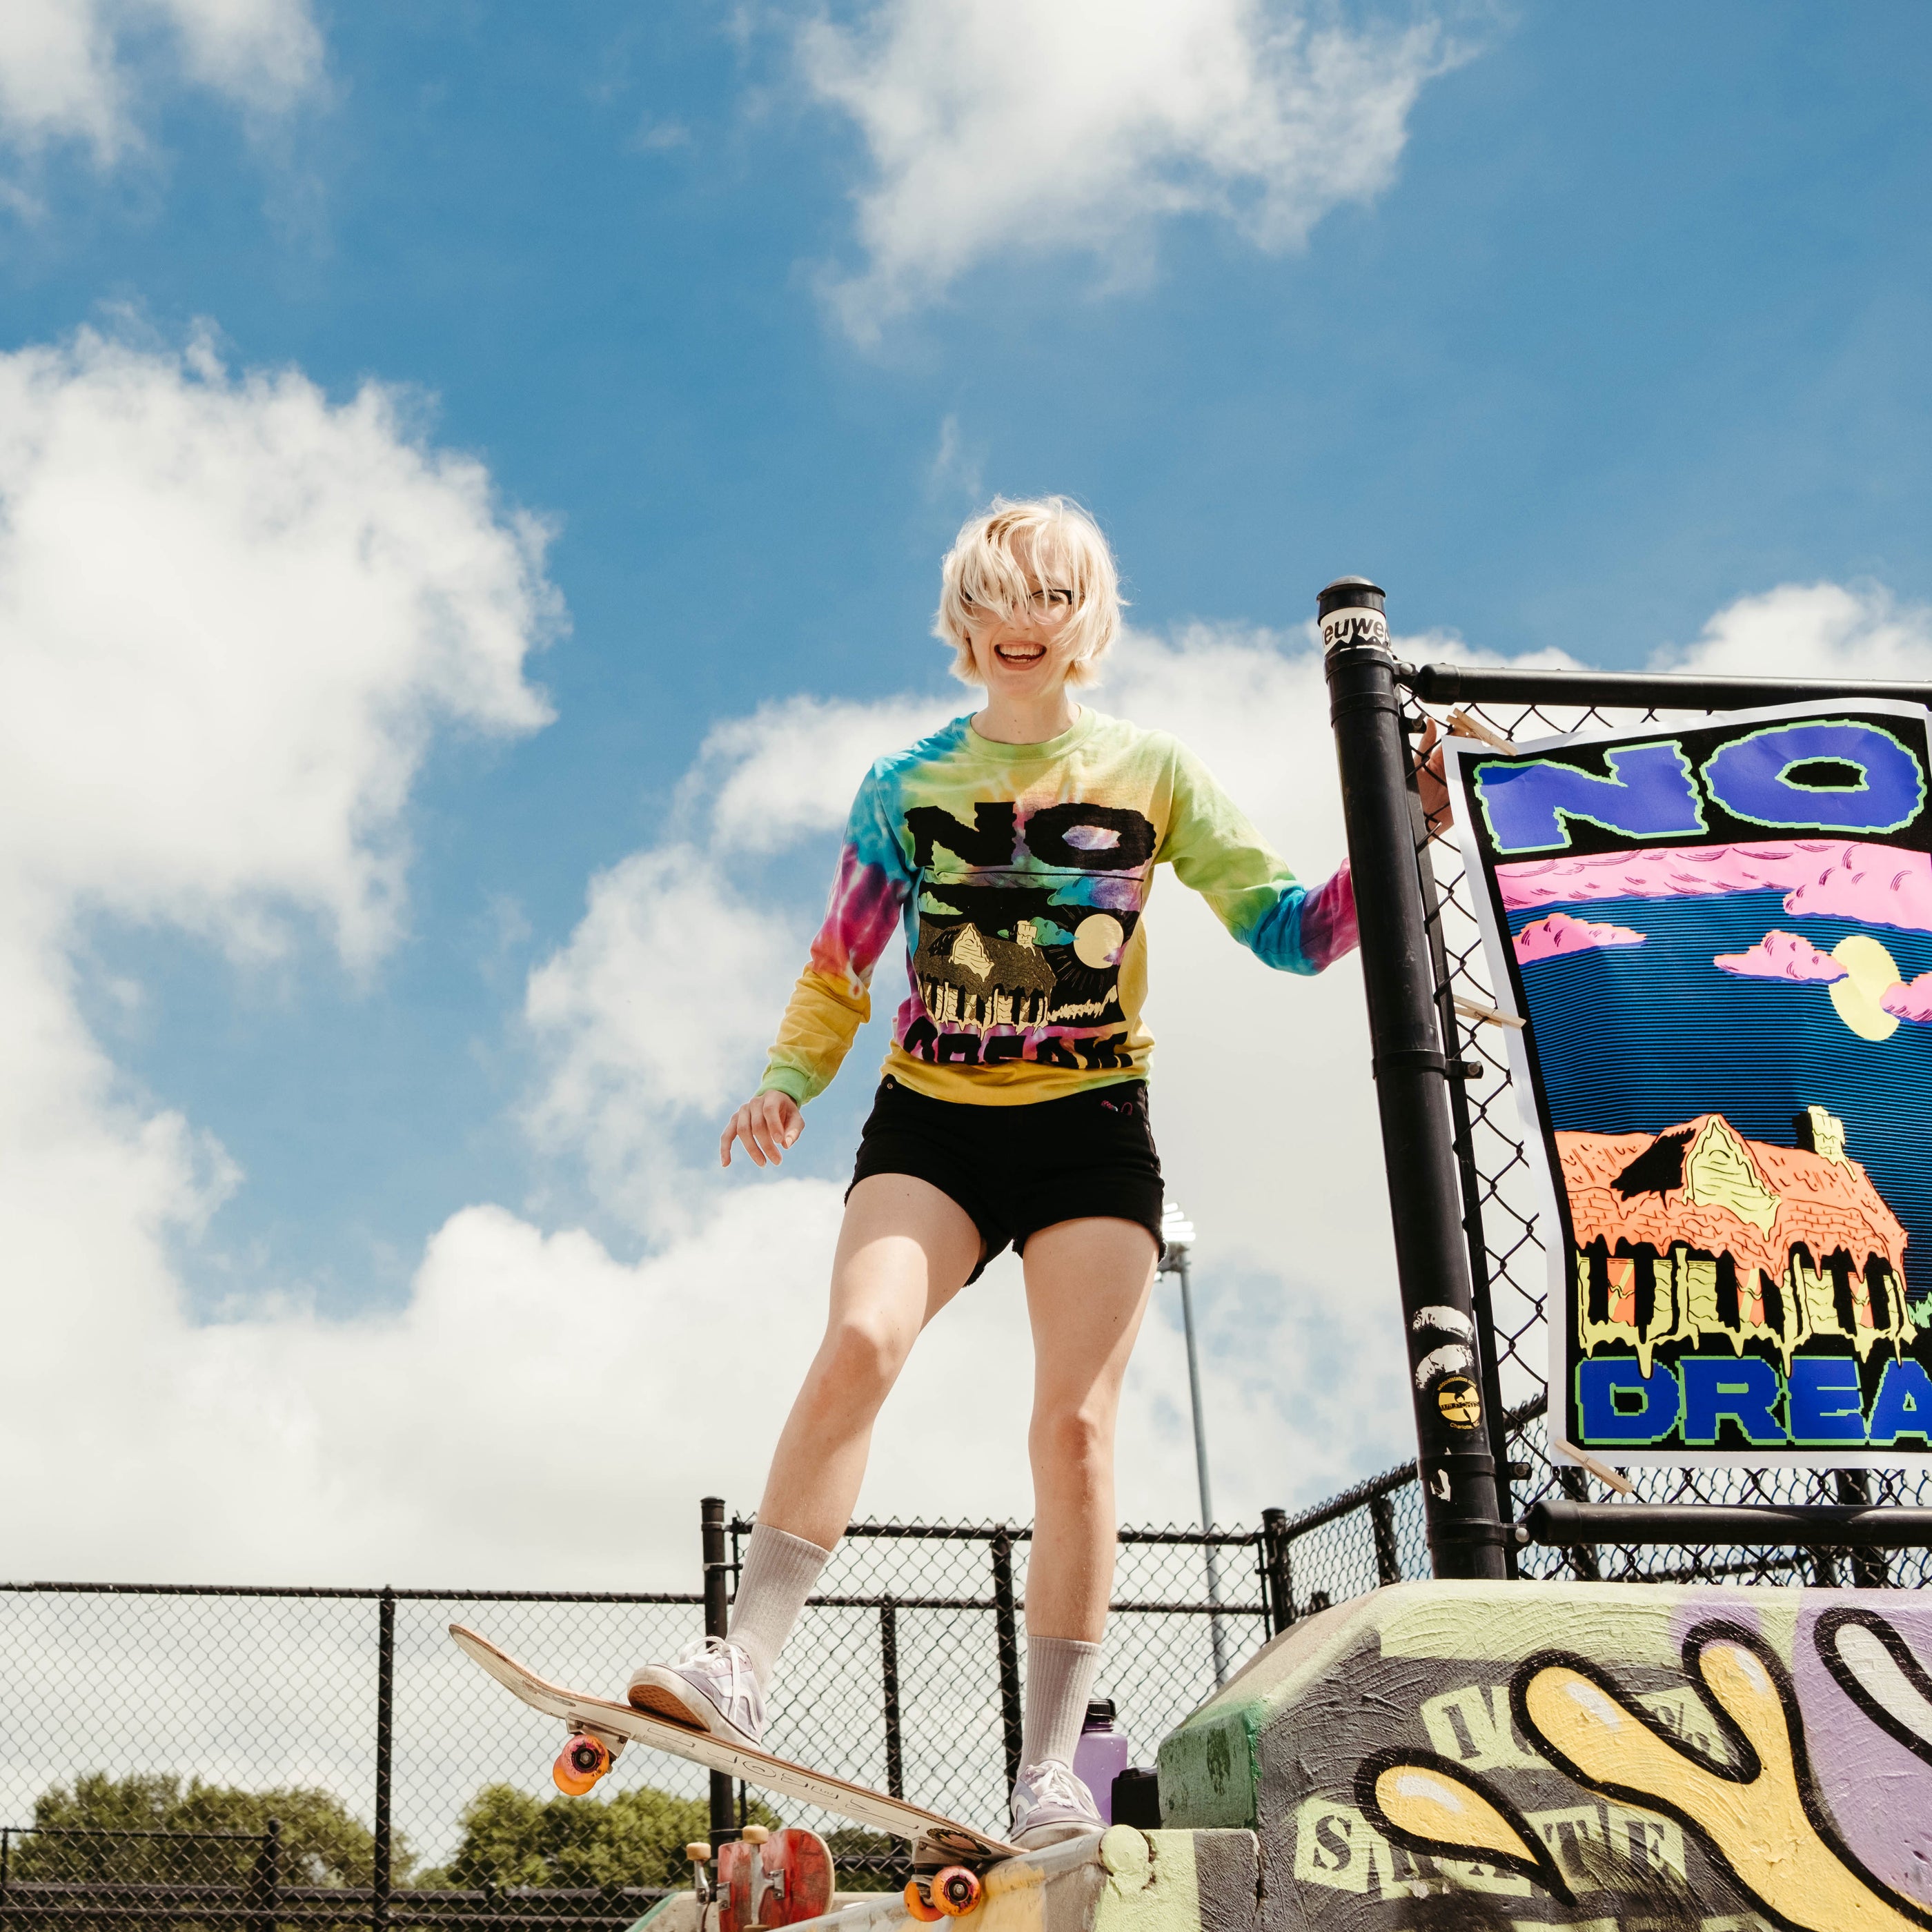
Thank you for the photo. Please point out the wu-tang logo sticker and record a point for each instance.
(1460, 1402)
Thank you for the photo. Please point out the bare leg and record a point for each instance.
(1087, 1283)
(904, 1252)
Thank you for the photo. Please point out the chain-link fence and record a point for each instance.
(1511, 1270)
(173, 1757)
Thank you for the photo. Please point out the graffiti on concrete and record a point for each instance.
(1756, 1809)
(1725, 1761)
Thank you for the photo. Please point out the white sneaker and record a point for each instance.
(711, 1687)
(1051, 1805)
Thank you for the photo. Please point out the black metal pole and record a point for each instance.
(1480, 684)
(266, 1890)
(1276, 1567)
(1462, 1129)
(889, 1674)
(717, 1623)
(1381, 1522)
(1731, 1525)
(1869, 1570)
(386, 1726)
(1006, 1636)
(1583, 1558)
(1412, 1072)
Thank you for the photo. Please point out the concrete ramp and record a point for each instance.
(1128, 1881)
(1625, 1758)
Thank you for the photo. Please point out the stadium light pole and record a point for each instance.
(1177, 1243)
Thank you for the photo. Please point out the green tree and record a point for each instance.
(511, 1839)
(323, 1843)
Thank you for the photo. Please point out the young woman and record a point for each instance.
(1017, 848)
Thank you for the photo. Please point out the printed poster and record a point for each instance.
(1720, 938)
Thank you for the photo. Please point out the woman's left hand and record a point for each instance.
(1430, 782)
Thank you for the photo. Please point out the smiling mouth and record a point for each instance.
(1021, 654)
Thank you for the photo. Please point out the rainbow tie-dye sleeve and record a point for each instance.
(1214, 848)
(833, 999)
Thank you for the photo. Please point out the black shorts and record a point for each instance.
(1016, 1170)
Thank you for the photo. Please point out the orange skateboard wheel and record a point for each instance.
(582, 1762)
(955, 1890)
(918, 1904)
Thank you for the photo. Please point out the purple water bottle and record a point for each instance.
(1101, 1755)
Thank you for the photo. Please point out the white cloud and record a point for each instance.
(232, 613)
(999, 129)
(75, 70)
(790, 770)
(1813, 630)
(655, 1010)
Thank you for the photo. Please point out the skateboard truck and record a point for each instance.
(765, 1884)
(699, 1852)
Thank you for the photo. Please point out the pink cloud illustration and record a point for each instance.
(1559, 935)
(1876, 885)
(1912, 1000)
(1781, 955)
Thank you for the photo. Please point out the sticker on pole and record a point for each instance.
(1720, 935)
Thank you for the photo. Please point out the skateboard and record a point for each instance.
(766, 1879)
(947, 1855)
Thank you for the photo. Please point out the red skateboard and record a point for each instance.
(768, 1878)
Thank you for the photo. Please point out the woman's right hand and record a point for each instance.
(767, 1124)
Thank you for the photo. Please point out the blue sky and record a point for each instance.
(1618, 320)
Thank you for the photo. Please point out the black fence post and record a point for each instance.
(1871, 1569)
(386, 1728)
(889, 1674)
(1583, 1558)
(1382, 1521)
(1277, 1570)
(1005, 1623)
(717, 1623)
(1463, 1128)
(265, 1885)
(1411, 1074)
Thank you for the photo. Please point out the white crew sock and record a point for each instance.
(779, 1571)
(1060, 1674)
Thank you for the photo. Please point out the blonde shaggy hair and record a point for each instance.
(1052, 539)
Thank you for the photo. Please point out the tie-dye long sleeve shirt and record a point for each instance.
(1020, 874)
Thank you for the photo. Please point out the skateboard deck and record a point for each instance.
(601, 1717)
(777, 1880)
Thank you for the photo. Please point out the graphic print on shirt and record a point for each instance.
(1023, 920)
(1019, 876)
